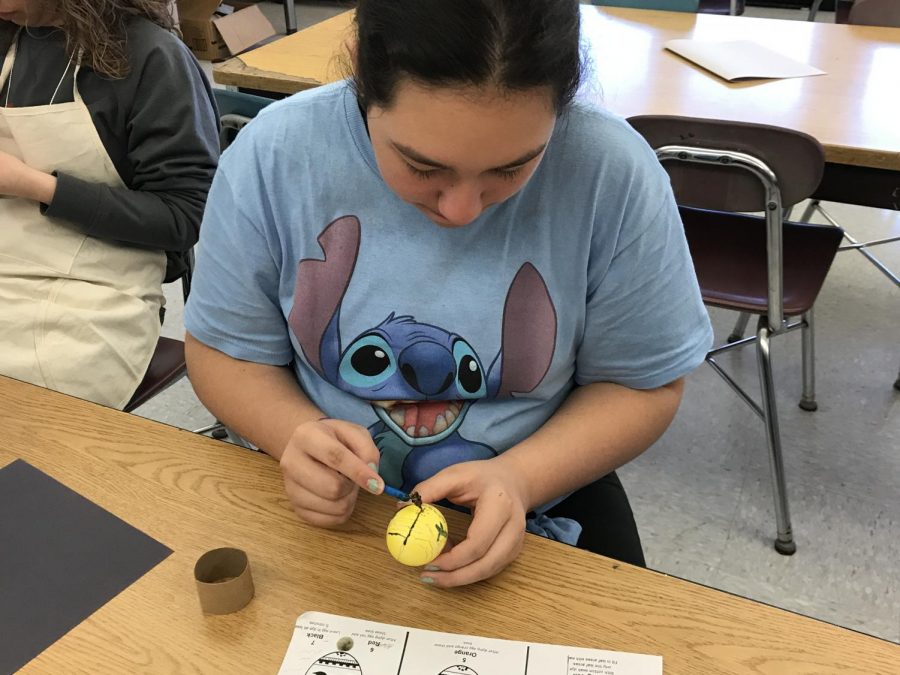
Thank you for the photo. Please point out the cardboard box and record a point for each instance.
(212, 37)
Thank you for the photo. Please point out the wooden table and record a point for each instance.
(306, 59)
(194, 494)
(853, 110)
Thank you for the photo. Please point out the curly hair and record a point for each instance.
(96, 28)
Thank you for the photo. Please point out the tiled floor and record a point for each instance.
(702, 494)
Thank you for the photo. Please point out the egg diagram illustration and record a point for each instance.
(335, 663)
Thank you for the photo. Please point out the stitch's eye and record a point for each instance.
(469, 377)
(367, 362)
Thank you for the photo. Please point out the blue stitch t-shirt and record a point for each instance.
(449, 344)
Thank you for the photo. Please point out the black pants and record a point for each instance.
(608, 526)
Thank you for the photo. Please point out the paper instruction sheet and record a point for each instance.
(326, 644)
(740, 60)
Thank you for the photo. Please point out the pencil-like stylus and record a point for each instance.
(394, 492)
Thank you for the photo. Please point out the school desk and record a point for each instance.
(193, 494)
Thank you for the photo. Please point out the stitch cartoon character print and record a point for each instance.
(420, 379)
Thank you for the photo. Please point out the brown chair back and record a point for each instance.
(797, 160)
(875, 13)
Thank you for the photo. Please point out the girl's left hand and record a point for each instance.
(497, 532)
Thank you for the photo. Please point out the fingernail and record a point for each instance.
(373, 485)
(373, 466)
(426, 580)
(432, 568)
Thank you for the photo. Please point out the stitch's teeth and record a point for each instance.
(449, 416)
(411, 432)
(454, 406)
(440, 424)
(384, 404)
(399, 416)
(423, 431)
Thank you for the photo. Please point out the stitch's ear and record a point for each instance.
(318, 293)
(529, 335)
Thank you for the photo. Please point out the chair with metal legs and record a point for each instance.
(808, 350)
(762, 265)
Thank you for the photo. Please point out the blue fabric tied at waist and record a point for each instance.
(560, 529)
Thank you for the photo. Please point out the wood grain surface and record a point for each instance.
(194, 494)
(852, 110)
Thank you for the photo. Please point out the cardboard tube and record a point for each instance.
(223, 580)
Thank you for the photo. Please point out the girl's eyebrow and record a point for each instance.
(419, 158)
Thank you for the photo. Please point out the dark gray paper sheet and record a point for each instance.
(62, 557)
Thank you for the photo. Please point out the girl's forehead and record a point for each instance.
(486, 98)
(461, 127)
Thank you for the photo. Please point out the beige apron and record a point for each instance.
(77, 314)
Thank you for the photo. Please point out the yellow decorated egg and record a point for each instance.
(416, 535)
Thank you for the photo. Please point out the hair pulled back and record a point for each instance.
(513, 45)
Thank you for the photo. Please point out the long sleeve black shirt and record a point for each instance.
(158, 125)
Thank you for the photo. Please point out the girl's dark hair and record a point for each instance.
(514, 45)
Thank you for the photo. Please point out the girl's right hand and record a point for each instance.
(324, 464)
(17, 179)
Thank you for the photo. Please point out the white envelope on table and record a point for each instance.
(740, 59)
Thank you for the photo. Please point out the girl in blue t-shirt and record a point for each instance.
(460, 163)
